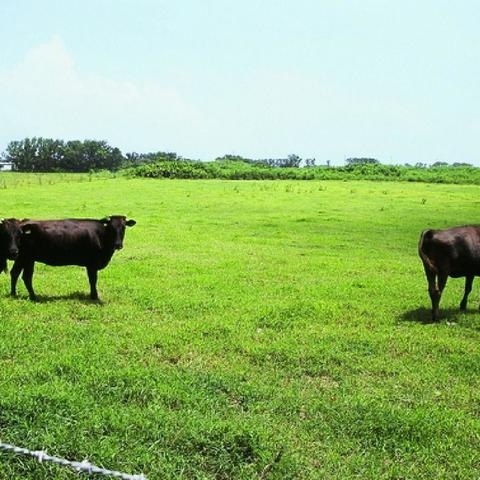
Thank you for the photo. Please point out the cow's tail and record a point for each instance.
(423, 249)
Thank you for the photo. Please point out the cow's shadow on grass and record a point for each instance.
(77, 296)
(424, 315)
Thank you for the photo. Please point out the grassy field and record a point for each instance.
(262, 329)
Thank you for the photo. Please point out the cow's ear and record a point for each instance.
(26, 229)
(105, 220)
(130, 223)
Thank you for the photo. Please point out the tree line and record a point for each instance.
(47, 155)
(39, 154)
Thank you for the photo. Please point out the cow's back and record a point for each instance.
(454, 250)
(65, 242)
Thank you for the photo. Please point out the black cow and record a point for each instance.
(10, 233)
(454, 252)
(84, 242)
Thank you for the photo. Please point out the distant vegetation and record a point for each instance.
(238, 170)
(362, 161)
(48, 155)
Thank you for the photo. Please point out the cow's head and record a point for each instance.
(10, 233)
(116, 225)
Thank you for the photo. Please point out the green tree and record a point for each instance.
(361, 161)
(47, 155)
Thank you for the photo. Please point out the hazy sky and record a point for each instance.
(399, 81)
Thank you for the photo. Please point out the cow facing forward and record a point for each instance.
(84, 242)
(454, 252)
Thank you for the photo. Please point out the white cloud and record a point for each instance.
(46, 95)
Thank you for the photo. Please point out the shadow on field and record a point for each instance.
(78, 296)
(424, 315)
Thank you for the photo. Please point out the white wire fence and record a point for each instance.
(83, 466)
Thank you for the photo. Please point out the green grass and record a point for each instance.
(260, 329)
(12, 180)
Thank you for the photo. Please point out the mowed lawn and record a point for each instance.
(251, 329)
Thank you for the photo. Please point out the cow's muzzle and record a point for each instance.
(13, 254)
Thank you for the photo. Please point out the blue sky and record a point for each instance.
(398, 81)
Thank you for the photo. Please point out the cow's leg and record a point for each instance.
(27, 279)
(441, 282)
(432, 291)
(14, 274)
(92, 278)
(435, 290)
(468, 289)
